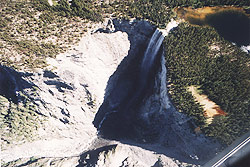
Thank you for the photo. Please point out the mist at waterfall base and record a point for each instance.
(118, 117)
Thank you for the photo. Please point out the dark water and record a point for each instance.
(233, 25)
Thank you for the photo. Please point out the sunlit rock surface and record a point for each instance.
(69, 96)
(71, 91)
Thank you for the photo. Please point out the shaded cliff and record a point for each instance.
(103, 73)
(137, 110)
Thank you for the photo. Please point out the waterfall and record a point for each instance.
(114, 119)
(148, 62)
(151, 52)
(145, 68)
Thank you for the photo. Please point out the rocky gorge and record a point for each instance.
(102, 75)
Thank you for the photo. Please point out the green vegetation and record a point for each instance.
(18, 121)
(82, 8)
(27, 26)
(157, 12)
(201, 3)
(199, 56)
(32, 161)
(31, 31)
(28, 36)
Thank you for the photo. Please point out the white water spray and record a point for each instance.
(152, 50)
(147, 64)
(172, 24)
(246, 48)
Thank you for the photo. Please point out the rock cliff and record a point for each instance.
(67, 95)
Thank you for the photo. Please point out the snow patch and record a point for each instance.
(246, 48)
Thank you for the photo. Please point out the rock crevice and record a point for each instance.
(100, 73)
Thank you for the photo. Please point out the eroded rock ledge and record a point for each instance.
(71, 91)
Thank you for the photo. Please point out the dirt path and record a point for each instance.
(211, 109)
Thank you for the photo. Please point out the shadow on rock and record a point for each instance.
(133, 111)
(120, 116)
(11, 82)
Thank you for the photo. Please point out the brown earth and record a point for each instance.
(211, 109)
(197, 16)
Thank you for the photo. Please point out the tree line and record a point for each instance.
(81, 8)
(223, 75)
(202, 3)
(158, 12)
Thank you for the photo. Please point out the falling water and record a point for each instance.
(151, 52)
(117, 120)
(147, 64)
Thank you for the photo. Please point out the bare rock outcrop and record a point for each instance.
(68, 94)
(70, 91)
(75, 85)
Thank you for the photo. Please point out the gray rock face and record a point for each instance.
(149, 118)
(123, 83)
(78, 82)
(70, 91)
